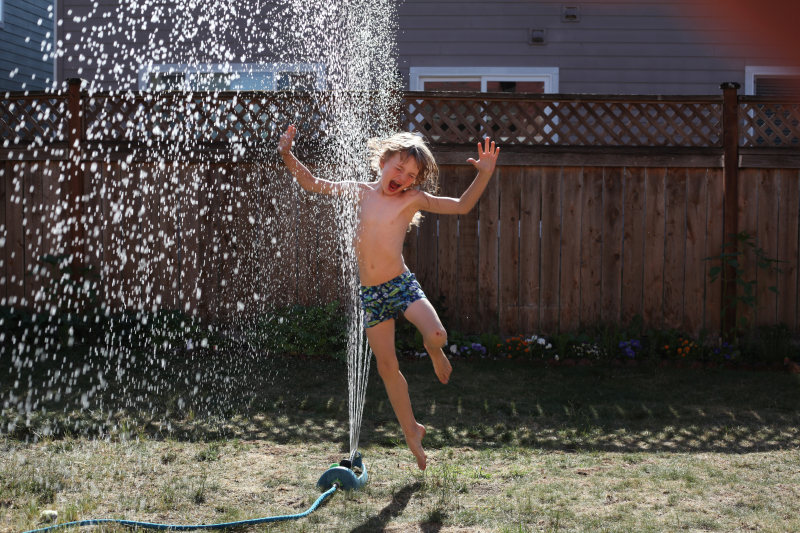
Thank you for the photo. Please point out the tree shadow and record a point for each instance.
(492, 404)
(395, 508)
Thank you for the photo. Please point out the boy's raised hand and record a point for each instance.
(487, 156)
(285, 142)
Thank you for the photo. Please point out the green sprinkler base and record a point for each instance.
(345, 475)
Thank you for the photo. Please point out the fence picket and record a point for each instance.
(714, 241)
(169, 211)
(530, 248)
(191, 177)
(612, 244)
(32, 211)
(208, 206)
(674, 247)
(306, 249)
(633, 239)
(93, 183)
(15, 239)
(428, 256)
(767, 238)
(54, 195)
(788, 248)
(468, 259)
(748, 223)
(509, 251)
(570, 290)
(447, 250)
(551, 247)
(153, 268)
(654, 220)
(329, 275)
(279, 251)
(488, 253)
(695, 265)
(591, 261)
(110, 274)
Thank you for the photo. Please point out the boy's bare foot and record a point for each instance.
(441, 364)
(415, 445)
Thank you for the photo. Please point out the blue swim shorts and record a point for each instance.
(388, 300)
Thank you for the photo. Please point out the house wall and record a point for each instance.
(31, 20)
(617, 46)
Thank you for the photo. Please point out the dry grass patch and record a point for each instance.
(539, 450)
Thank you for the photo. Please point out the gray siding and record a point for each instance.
(620, 47)
(617, 47)
(21, 21)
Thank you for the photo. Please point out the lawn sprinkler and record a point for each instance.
(347, 474)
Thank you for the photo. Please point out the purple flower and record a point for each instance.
(630, 347)
(629, 352)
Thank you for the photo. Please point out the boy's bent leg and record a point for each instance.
(381, 340)
(422, 314)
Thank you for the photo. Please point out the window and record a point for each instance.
(771, 81)
(233, 77)
(2, 13)
(485, 79)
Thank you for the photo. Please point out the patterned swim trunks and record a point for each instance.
(388, 300)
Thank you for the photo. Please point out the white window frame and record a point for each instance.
(548, 75)
(751, 73)
(191, 71)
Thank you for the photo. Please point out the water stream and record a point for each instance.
(164, 221)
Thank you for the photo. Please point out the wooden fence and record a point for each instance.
(564, 247)
(602, 208)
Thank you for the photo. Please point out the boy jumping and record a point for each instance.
(387, 207)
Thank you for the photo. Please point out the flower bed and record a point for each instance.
(771, 348)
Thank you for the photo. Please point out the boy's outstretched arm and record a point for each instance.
(301, 174)
(487, 159)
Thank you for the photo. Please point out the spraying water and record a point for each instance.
(171, 229)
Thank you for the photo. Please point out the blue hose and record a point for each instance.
(168, 527)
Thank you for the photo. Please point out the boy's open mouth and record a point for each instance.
(393, 186)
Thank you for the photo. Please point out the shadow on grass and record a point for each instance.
(434, 522)
(395, 508)
(488, 404)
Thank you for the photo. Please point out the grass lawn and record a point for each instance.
(512, 446)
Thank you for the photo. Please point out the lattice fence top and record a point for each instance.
(769, 124)
(201, 117)
(536, 121)
(31, 119)
(183, 119)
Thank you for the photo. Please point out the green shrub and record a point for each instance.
(768, 345)
(302, 330)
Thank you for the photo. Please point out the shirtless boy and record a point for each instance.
(406, 184)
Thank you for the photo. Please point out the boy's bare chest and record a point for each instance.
(376, 211)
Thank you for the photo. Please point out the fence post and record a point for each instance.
(730, 187)
(75, 172)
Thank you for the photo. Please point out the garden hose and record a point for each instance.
(168, 527)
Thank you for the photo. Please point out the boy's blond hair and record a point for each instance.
(381, 150)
